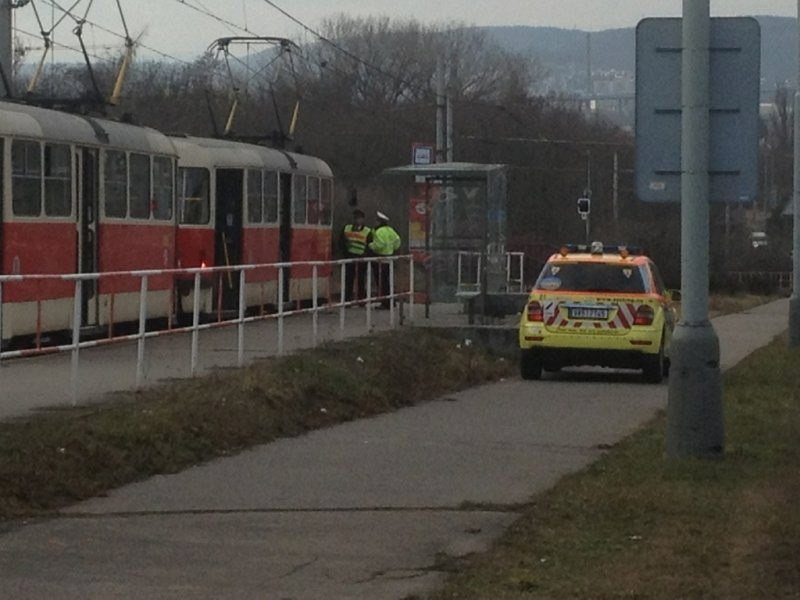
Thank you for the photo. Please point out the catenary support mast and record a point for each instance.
(694, 412)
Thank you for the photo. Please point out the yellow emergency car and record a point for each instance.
(601, 306)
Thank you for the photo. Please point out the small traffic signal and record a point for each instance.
(584, 206)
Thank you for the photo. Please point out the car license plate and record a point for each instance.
(578, 312)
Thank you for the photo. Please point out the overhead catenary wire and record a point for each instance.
(65, 46)
(422, 91)
(320, 63)
(256, 72)
(124, 22)
(114, 33)
(324, 65)
(343, 50)
(55, 23)
(205, 11)
(246, 29)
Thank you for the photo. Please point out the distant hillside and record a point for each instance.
(616, 48)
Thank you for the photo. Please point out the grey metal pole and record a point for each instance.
(195, 325)
(694, 412)
(587, 227)
(140, 369)
(726, 251)
(794, 302)
(615, 193)
(589, 174)
(6, 46)
(440, 112)
(281, 292)
(242, 313)
(449, 129)
(77, 309)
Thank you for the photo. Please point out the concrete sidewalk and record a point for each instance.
(367, 509)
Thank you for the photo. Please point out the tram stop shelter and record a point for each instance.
(458, 232)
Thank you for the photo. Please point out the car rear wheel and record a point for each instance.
(530, 365)
(654, 366)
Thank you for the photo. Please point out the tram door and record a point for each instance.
(228, 243)
(87, 162)
(285, 242)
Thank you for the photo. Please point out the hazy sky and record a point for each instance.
(173, 27)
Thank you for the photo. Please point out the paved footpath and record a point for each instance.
(360, 510)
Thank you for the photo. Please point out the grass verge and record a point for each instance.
(54, 459)
(636, 526)
(724, 304)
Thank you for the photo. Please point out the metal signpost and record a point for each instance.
(694, 412)
(697, 128)
(584, 208)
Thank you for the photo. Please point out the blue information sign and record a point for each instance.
(735, 57)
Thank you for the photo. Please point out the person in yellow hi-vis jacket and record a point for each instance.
(354, 240)
(383, 241)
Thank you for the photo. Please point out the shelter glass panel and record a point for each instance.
(140, 186)
(26, 178)
(115, 177)
(194, 196)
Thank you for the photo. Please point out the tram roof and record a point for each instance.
(220, 153)
(21, 120)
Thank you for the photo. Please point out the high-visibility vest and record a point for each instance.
(356, 239)
(385, 241)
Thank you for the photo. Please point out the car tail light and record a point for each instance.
(644, 315)
(535, 311)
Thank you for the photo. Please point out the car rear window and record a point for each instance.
(591, 277)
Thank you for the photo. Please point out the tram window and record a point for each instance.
(194, 186)
(140, 186)
(299, 193)
(162, 188)
(57, 180)
(271, 197)
(116, 184)
(325, 202)
(313, 200)
(255, 196)
(26, 177)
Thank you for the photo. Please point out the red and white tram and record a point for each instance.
(86, 195)
(246, 204)
(82, 195)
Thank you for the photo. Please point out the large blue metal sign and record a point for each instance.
(735, 85)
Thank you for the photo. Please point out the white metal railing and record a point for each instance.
(469, 286)
(197, 275)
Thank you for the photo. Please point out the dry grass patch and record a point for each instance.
(51, 460)
(724, 304)
(634, 525)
